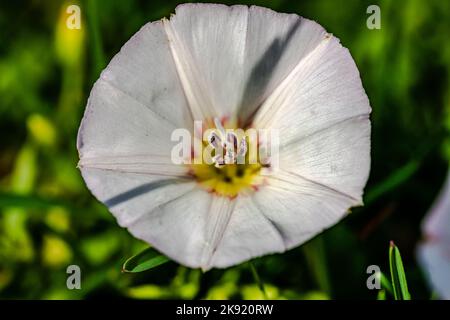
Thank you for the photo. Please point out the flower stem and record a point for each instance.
(314, 252)
(258, 279)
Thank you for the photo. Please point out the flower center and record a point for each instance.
(230, 170)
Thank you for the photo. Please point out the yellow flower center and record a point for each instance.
(227, 175)
(229, 180)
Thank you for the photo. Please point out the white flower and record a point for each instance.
(252, 67)
(434, 252)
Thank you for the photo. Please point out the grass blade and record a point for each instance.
(381, 295)
(394, 180)
(398, 276)
(385, 283)
(258, 279)
(144, 260)
(315, 255)
(96, 39)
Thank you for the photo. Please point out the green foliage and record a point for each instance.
(48, 218)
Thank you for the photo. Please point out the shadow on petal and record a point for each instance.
(261, 74)
(140, 190)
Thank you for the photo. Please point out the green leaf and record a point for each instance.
(144, 260)
(394, 180)
(258, 280)
(385, 283)
(381, 295)
(28, 201)
(314, 251)
(398, 276)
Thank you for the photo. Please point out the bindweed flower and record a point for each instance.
(434, 252)
(235, 68)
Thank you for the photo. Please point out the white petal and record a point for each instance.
(237, 55)
(144, 69)
(322, 90)
(283, 214)
(189, 228)
(217, 222)
(131, 196)
(276, 43)
(300, 208)
(124, 139)
(169, 214)
(337, 157)
(121, 134)
(146, 164)
(321, 113)
(248, 234)
(437, 222)
(434, 252)
(117, 125)
(178, 228)
(435, 259)
(206, 40)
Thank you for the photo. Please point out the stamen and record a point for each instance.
(228, 141)
(219, 126)
(218, 161)
(215, 140)
(242, 148)
(228, 174)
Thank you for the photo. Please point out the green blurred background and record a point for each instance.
(48, 218)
